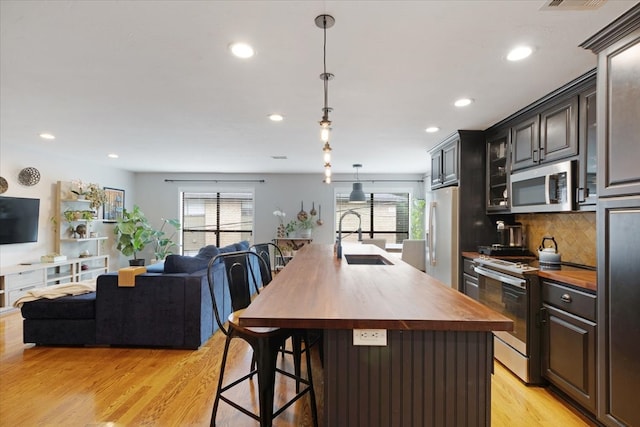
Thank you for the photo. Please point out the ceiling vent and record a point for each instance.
(560, 5)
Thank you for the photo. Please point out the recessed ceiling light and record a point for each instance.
(241, 50)
(112, 155)
(432, 129)
(47, 136)
(463, 102)
(519, 53)
(276, 117)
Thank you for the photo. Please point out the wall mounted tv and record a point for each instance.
(18, 220)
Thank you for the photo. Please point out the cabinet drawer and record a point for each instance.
(19, 280)
(468, 267)
(571, 300)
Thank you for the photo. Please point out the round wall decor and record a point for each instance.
(29, 176)
(4, 185)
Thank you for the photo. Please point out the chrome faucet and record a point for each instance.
(339, 239)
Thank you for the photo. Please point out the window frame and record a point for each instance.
(217, 230)
(370, 193)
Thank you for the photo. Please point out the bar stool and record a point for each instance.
(241, 268)
(263, 249)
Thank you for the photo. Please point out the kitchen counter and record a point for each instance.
(575, 276)
(433, 338)
(329, 293)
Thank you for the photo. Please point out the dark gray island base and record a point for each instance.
(436, 367)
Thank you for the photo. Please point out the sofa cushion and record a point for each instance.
(158, 267)
(190, 264)
(67, 307)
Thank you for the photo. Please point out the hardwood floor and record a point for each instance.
(99, 386)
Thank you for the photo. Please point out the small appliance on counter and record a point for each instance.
(511, 241)
(548, 257)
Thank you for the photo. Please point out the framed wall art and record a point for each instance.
(114, 206)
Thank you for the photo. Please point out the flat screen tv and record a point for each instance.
(18, 220)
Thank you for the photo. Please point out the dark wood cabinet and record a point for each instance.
(618, 224)
(587, 191)
(436, 168)
(525, 143)
(444, 163)
(569, 342)
(619, 122)
(618, 218)
(559, 131)
(498, 167)
(546, 137)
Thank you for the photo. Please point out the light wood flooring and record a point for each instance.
(98, 386)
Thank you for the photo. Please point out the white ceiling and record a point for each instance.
(154, 82)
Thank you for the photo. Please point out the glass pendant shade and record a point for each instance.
(357, 195)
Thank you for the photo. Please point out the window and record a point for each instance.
(215, 219)
(384, 216)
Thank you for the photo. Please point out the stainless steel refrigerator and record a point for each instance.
(442, 250)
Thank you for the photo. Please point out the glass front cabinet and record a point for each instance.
(498, 169)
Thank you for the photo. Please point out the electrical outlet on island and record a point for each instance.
(370, 337)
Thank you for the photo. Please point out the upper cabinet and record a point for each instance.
(619, 114)
(525, 144)
(546, 137)
(587, 193)
(498, 167)
(444, 163)
(558, 126)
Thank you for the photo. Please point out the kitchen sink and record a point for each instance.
(369, 259)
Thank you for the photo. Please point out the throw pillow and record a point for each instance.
(184, 264)
(190, 264)
(158, 267)
(242, 246)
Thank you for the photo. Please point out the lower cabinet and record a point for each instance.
(569, 342)
(16, 281)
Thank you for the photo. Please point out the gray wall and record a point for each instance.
(160, 199)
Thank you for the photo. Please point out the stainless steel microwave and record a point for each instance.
(546, 188)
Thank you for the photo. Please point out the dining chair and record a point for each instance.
(242, 269)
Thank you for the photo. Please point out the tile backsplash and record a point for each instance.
(575, 234)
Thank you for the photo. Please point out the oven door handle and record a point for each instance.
(522, 284)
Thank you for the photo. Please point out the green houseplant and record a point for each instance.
(133, 232)
(164, 245)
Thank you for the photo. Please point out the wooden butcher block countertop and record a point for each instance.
(316, 290)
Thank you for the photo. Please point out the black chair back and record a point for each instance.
(244, 274)
(263, 249)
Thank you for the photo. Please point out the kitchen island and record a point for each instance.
(435, 368)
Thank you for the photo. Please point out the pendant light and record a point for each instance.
(324, 22)
(357, 195)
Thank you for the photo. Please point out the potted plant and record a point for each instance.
(89, 191)
(164, 245)
(290, 228)
(133, 232)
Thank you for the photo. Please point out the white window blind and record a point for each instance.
(384, 216)
(215, 219)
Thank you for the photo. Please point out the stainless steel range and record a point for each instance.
(512, 289)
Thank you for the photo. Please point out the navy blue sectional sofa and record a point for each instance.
(168, 308)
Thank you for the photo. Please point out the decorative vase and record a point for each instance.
(305, 233)
(81, 197)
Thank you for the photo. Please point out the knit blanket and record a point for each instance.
(57, 291)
